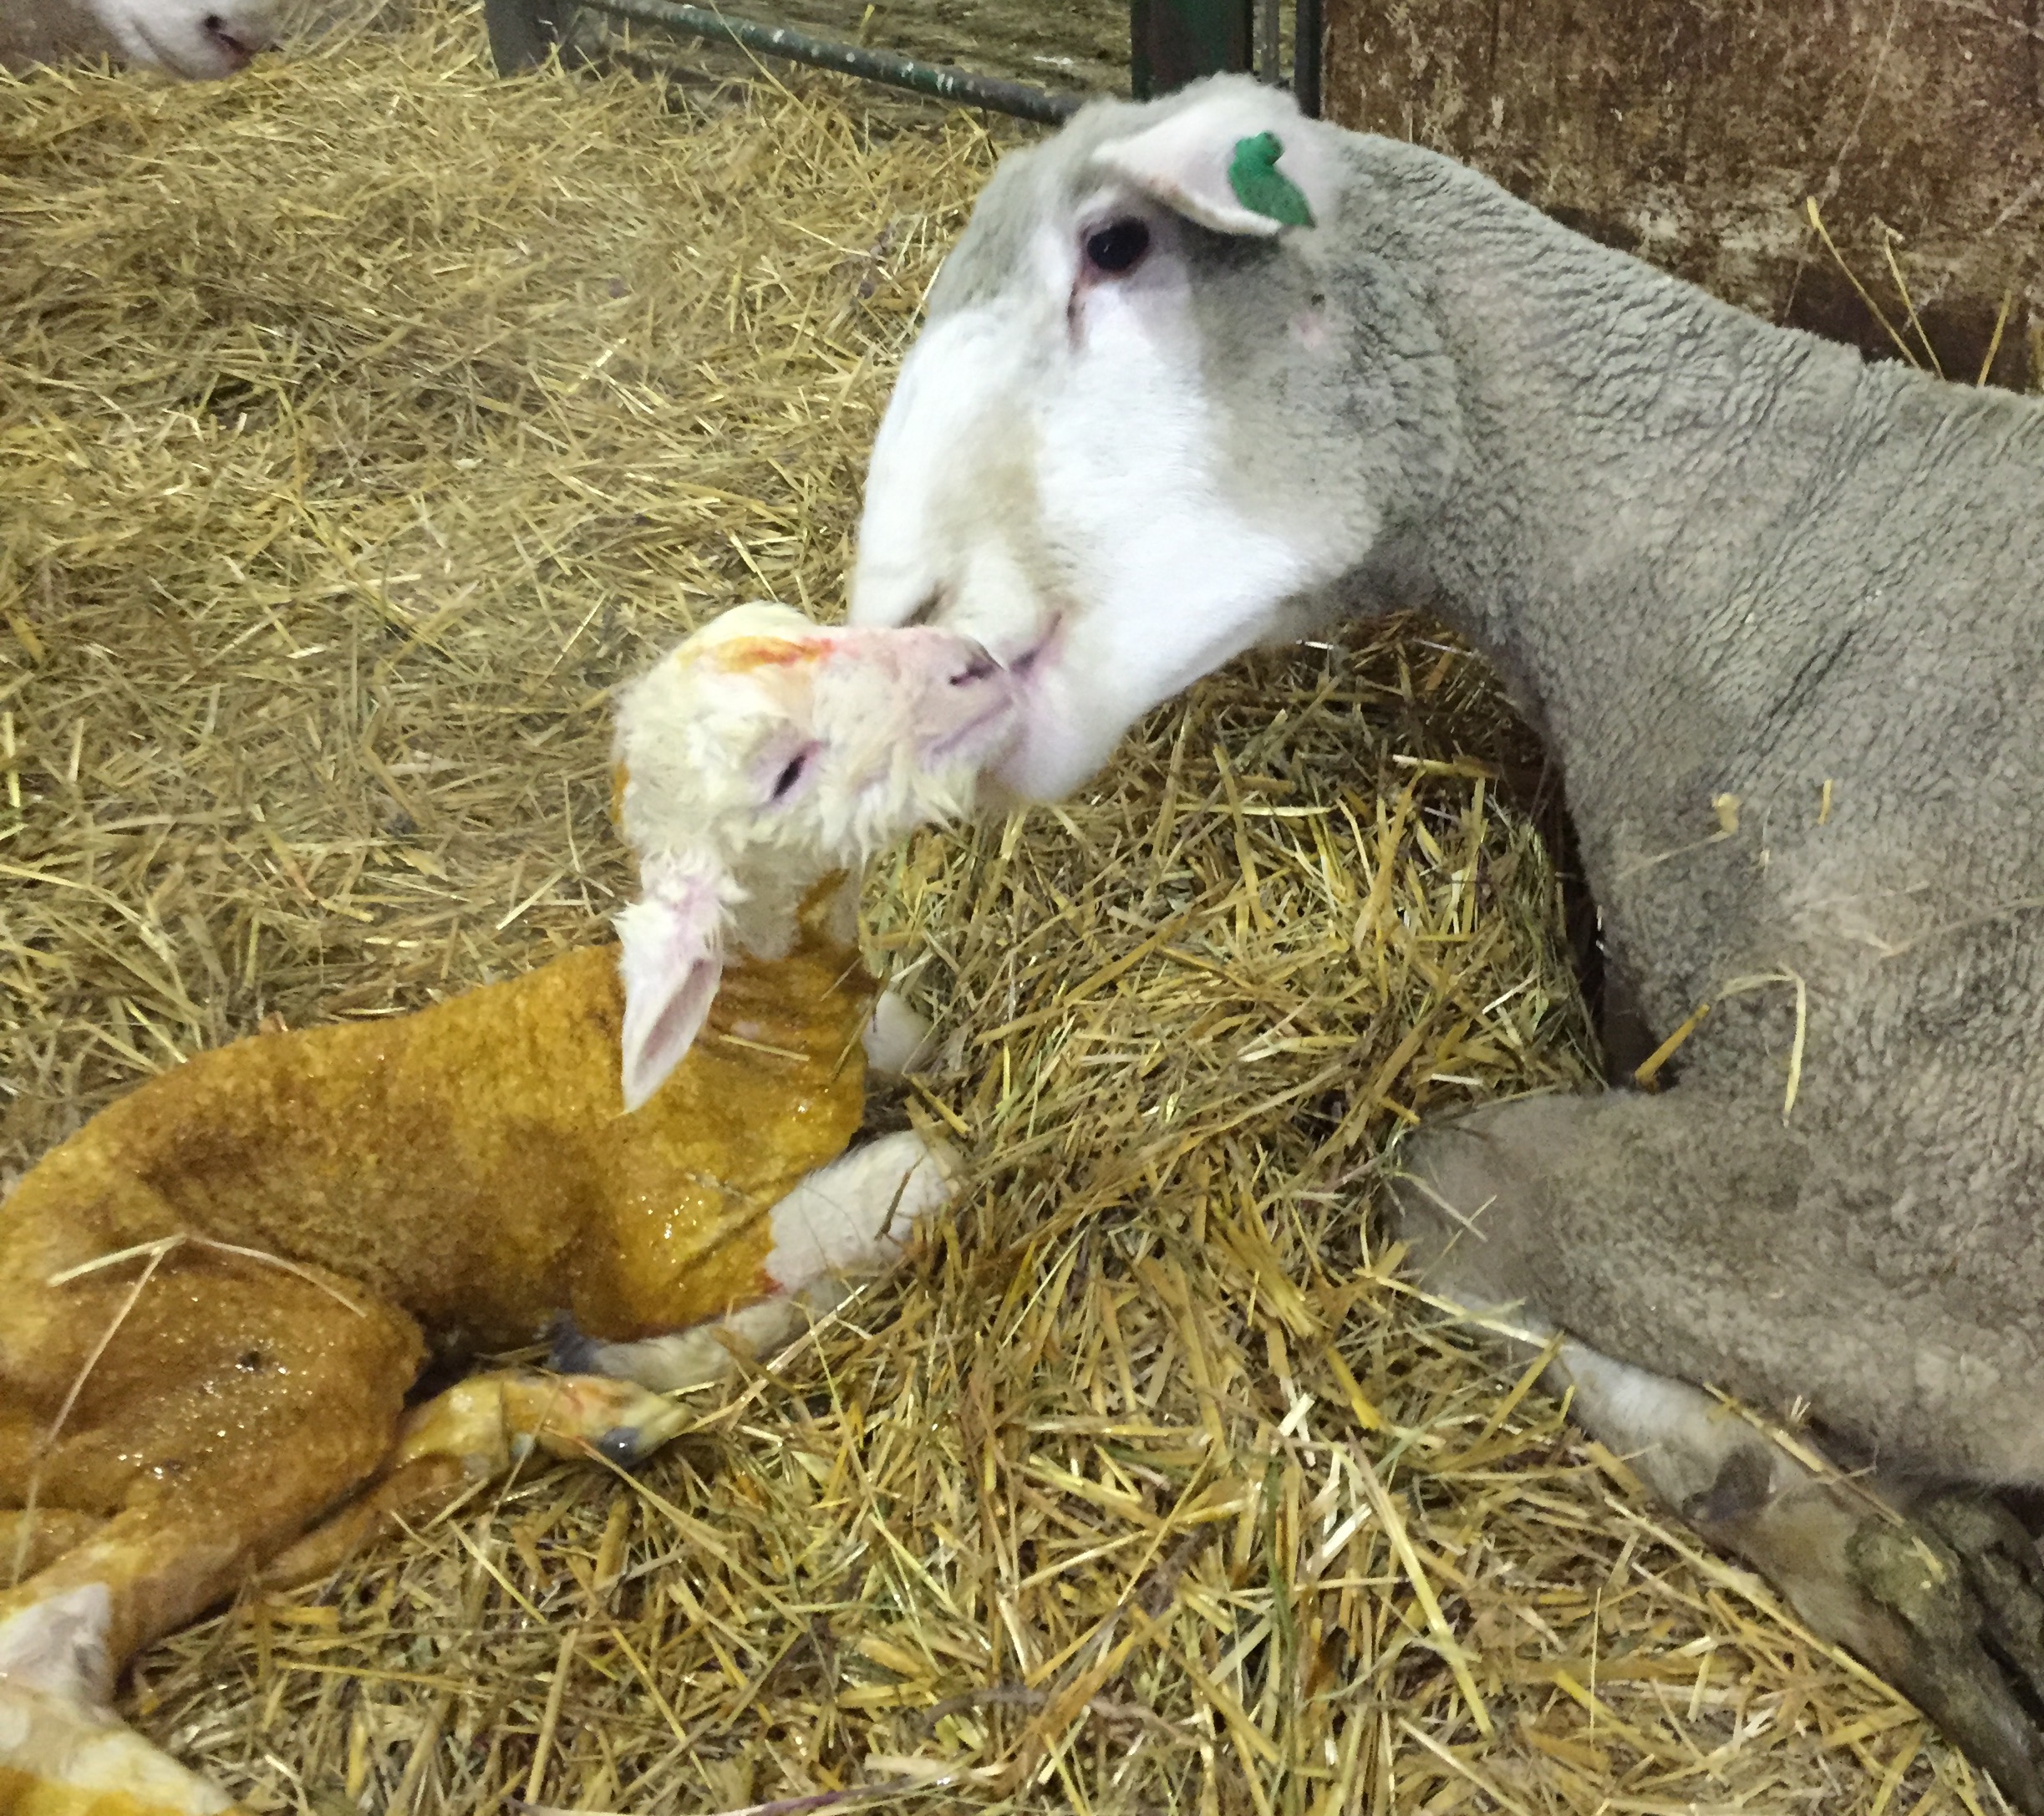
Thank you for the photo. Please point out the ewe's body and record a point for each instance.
(1781, 617)
(215, 1297)
(194, 39)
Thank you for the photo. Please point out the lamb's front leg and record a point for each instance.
(1607, 1205)
(854, 1217)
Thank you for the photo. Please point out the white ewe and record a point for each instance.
(1201, 370)
(214, 1297)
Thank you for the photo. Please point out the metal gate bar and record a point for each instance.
(1174, 41)
(527, 32)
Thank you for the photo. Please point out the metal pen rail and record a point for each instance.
(523, 32)
(1174, 41)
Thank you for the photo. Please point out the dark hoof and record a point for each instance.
(572, 1353)
(1963, 1581)
(622, 1445)
(2005, 1573)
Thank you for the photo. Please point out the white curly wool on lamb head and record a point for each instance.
(765, 755)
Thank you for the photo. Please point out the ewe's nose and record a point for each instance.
(237, 36)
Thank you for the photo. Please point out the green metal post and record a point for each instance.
(523, 31)
(1173, 42)
(1309, 38)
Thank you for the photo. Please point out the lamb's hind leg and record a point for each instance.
(472, 1433)
(853, 1217)
(1710, 1243)
(233, 1403)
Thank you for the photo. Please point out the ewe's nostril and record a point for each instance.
(243, 49)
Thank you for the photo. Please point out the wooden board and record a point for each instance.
(1693, 132)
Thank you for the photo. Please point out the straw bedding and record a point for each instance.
(361, 423)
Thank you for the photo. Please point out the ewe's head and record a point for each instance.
(1157, 401)
(196, 39)
(760, 758)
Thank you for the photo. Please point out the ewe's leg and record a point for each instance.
(1947, 1607)
(1560, 1199)
(854, 1216)
(1700, 1238)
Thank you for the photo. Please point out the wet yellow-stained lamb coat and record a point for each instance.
(471, 1163)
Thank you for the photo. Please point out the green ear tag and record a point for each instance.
(1264, 189)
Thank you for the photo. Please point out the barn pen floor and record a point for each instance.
(361, 422)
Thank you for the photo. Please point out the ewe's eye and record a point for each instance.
(1118, 247)
(791, 774)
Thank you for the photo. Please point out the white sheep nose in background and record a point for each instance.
(196, 39)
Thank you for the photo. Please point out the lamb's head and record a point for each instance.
(1166, 395)
(196, 39)
(764, 756)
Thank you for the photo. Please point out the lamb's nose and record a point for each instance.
(978, 668)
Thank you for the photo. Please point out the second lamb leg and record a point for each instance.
(854, 1217)
(472, 1433)
(232, 1403)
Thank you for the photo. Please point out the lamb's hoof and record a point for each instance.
(571, 1352)
(1965, 1582)
(628, 1446)
(617, 1419)
(59, 1756)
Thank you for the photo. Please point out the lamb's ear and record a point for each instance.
(1242, 159)
(671, 958)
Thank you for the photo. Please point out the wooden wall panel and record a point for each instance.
(1692, 131)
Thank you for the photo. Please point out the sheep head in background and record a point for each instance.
(1200, 371)
(193, 40)
(215, 1297)
(763, 757)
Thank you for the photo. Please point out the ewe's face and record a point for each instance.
(775, 747)
(1074, 468)
(196, 39)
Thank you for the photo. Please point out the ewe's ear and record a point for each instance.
(671, 958)
(1242, 159)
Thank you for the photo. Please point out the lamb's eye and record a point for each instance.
(791, 774)
(1118, 247)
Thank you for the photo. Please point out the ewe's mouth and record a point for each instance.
(971, 732)
(1022, 666)
(221, 53)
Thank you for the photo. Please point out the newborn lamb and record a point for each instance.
(216, 1296)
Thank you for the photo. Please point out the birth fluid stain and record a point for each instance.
(743, 654)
